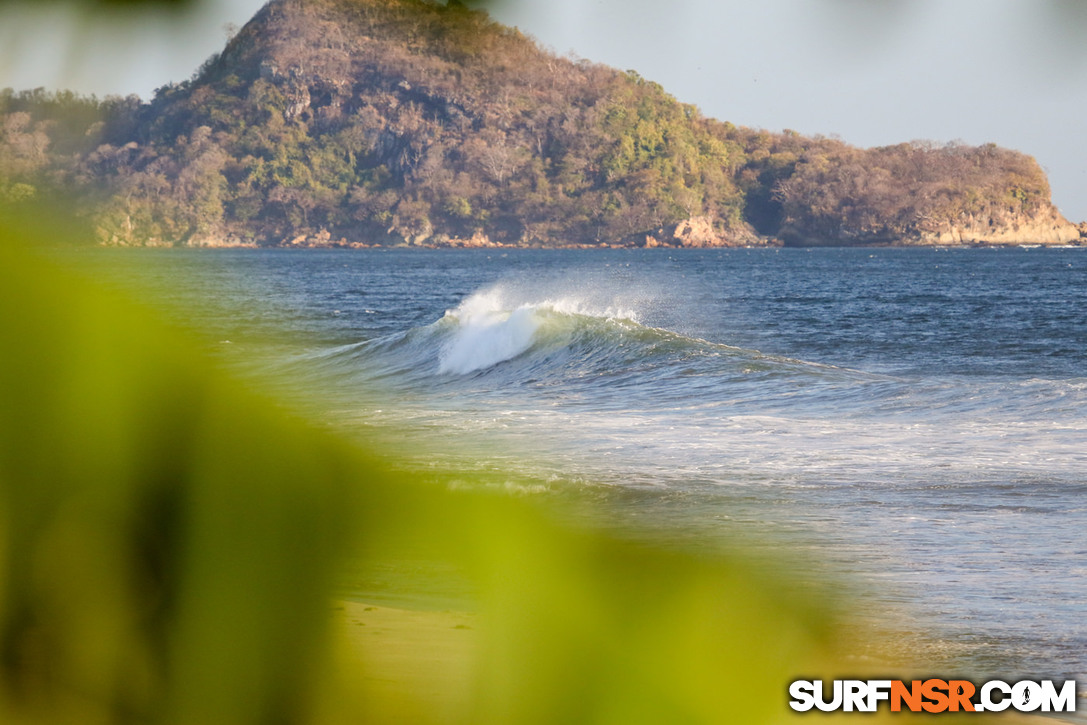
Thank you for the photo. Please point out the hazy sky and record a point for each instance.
(873, 72)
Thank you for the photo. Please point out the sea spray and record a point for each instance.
(487, 329)
(486, 339)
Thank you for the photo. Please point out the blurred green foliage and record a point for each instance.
(158, 524)
(170, 542)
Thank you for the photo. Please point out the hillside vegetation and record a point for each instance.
(405, 121)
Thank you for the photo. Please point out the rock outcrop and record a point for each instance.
(701, 231)
(1047, 227)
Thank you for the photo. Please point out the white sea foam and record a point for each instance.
(486, 338)
(493, 325)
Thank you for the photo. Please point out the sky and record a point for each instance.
(872, 72)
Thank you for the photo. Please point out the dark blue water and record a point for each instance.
(917, 418)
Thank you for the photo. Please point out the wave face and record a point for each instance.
(501, 341)
(486, 329)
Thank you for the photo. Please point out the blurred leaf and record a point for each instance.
(169, 539)
(170, 542)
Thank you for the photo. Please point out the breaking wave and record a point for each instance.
(494, 341)
(485, 330)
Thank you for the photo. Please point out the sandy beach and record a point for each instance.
(419, 664)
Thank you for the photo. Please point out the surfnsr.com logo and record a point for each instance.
(933, 695)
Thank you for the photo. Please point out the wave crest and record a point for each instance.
(485, 329)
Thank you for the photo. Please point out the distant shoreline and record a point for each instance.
(590, 247)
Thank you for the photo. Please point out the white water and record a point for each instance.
(492, 326)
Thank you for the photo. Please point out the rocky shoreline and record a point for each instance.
(700, 233)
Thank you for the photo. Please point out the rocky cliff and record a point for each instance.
(1044, 226)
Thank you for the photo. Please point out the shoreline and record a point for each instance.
(1081, 244)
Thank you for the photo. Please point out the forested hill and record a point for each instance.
(405, 121)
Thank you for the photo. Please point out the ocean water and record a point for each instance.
(914, 419)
